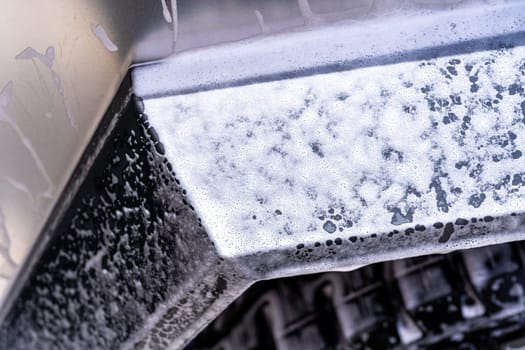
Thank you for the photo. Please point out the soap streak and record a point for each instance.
(48, 59)
(166, 12)
(5, 242)
(5, 96)
(101, 34)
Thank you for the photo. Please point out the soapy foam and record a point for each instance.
(268, 165)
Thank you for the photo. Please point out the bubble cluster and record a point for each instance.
(353, 152)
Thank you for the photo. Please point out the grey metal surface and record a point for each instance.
(345, 145)
(127, 254)
(208, 22)
(249, 160)
(62, 62)
(392, 33)
(332, 142)
(131, 265)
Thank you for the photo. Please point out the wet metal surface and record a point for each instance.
(329, 160)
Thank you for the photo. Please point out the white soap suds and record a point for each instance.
(95, 261)
(48, 59)
(101, 34)
(348, 153)
(166, 12)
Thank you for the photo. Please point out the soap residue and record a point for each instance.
(36, 206)
(48, 59)
(21, 187)
(29, 53)
(260, 20)
(101, 34)
(349, 153)
(5, 97)
(166, 12)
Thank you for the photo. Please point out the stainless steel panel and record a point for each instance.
(341, 145)
(61, 63)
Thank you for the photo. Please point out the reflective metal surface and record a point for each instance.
(61, 63)
(347, 144)
(169, 225)
(208, 22)
(126, 253)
